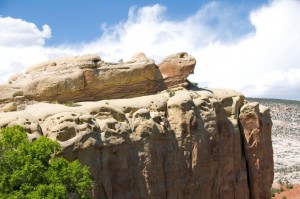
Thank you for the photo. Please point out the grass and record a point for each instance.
(71, 104)
(170, 92)
(284, 185)
(273, 191)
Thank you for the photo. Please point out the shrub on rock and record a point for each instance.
(30, 170)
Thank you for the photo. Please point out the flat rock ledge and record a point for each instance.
(88, 78)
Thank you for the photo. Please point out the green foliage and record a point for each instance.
(281, 181)
(29, 170)
(273, 191)
(170, 92)
(12, 137)
(286, 183)
(71, 104)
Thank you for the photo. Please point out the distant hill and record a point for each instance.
(270, 100)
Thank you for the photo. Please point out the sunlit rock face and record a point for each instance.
(176, 68)
(140, 140)
(86, 78)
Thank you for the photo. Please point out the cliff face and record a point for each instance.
(179, 143)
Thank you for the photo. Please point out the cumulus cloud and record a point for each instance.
(263, 62)
(17, 32)
(148, 29)
(260, 61)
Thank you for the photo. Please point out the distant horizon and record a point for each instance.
(252, 47)
(263, 98)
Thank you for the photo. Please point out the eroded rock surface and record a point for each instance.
(164, 144)
(85, 78)
(176, 68)
(160, 146)
(256, 132)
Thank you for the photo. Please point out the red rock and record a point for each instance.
(176, 68)
(256, 127)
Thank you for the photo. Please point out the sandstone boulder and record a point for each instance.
(8, 93)
(176, 68)
(86, 78)
(12, 106)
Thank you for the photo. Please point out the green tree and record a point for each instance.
(30, 170)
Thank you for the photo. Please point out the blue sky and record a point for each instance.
(80, 20)
(250, 46)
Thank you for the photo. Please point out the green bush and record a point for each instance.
(273, 191)
(71, 104)
(30, 170)
(170, 92)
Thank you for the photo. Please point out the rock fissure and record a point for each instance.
(243, 144)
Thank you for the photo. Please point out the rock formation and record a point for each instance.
(86, 78)
(174, 143)
(256, 127)
(176, 68)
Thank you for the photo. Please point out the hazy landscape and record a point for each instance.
(285, 136)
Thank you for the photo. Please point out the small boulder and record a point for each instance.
(141, 57)
(176, 68)
(12, 106)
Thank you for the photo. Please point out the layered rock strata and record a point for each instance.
(88, 78)
(176, 143)
(85, 78)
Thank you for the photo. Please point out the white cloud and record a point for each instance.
(264, 62)
(261, 57)
(17, 32)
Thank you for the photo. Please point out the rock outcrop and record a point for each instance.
(176, 143)
(256, 132)
(176, 68)
(86, 78)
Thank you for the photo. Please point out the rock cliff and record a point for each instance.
(153, 142)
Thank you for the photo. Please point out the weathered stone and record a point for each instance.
(256, 133)
(176, 68)
(174, 144)
(141, 57)
(12, 106)
(8, 93)
(187, 145)
(86, 78)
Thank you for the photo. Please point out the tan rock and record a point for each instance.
(152, 143)
(187, 145)
(256, 133)
(176, 68)
(8, 93)
(141, 57)
(88, 78)
(14, 77)
(85, 78)
(12, 106)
